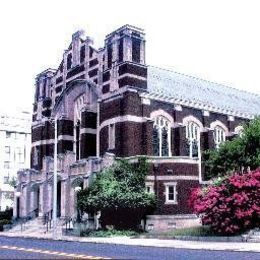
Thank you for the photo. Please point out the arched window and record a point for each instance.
(220, 132)
(161, 136)
(79, 103)
(193, 138)
(219, 136)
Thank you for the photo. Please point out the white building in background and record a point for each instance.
(15, 145)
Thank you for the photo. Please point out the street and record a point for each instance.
(20, 248)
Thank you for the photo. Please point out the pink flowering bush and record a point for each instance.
(231, 206)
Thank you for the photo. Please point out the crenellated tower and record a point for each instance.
(124, 59)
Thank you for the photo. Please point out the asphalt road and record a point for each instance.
(19, 248)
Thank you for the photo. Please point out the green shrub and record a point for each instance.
(239, 153)
(119, 193)
(4, 222)
(7, 214)
(109, 233)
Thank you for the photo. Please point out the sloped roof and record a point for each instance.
(191, 90)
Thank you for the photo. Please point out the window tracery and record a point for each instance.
(161, 136)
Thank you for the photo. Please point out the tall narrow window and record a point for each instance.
(77, 132)
(109, 56)
(69, 61)
(121, 50)
(82, 53)
(219, 136)
(111, 136)
(136, 50)
(156, 141)
(193, 139)
(161, 137)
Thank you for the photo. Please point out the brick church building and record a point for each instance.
(110, 104)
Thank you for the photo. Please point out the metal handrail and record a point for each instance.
(33, 214)
(48, 220)
(69, 221)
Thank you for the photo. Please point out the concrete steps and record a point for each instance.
(35, 226)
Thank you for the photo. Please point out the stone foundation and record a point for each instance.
(170, 222)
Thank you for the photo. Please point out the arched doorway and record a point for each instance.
(35, 200)
(76, 185)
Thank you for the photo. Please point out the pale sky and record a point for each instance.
(217, 40)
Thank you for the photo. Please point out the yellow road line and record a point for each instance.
(35, 250)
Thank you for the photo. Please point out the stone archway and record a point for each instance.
(76, 185)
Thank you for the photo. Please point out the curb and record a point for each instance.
(197, 246)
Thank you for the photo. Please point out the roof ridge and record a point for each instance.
(208, 81)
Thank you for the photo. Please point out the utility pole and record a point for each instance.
(54, 211)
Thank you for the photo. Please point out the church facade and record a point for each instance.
(110, 104)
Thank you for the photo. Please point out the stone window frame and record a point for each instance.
(220, 132)
(111, 136)
(157, 117)
(175, 193)
(193, 130)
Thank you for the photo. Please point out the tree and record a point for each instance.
(231, 205)
(234, 155)
(119, 193)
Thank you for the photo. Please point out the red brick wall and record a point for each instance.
(183, 192)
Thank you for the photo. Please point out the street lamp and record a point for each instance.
(54, 212)
(17, 194)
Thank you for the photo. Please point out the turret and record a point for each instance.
(124, 59)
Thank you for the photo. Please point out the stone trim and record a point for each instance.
(88, 131)
(51, 141)
(161, 112)
(132, 76)
(120, 119)
(219, 123)
(172, 159)
(172, 178)
(194, 119)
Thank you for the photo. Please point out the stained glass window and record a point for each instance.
(219, 136)
(192, 139)
(161, 137)
(156, 142)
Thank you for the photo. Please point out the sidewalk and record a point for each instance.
(222, 246)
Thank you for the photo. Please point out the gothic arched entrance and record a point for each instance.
(35, 200)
